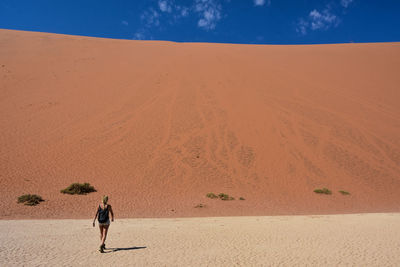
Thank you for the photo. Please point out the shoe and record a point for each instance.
(101, 249)
(104, 246)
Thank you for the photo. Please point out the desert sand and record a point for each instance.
(158, 125)
(328, 240)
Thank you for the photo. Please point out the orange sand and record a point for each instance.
(157, 125)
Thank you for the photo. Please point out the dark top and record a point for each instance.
(103, 214)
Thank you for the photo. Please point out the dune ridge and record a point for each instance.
(158, 125)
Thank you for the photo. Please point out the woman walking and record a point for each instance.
(102, 215)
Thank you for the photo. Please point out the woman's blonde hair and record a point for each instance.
(105, 199)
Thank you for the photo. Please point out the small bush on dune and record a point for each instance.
(79, 189)
(323, 191)
(200, 206)
(30, 200)
(223, 196)
(241, 198)
(212, 195)
(344, 192)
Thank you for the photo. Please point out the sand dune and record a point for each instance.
(329, 240)
(157, 125)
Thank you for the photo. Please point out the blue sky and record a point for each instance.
(221, 21)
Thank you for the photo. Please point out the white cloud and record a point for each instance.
(142, 34)
(317, 20)
(209, 12)
(124, 22)
(184, 12)
(302, 26)
(164, 6)
(345, 3)
(164, 12)
(262, 2)
(322, 20)
(180, 12)
(150, 17)
(139, 36)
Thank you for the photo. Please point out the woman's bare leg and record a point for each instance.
(101, 232)
(105, 231)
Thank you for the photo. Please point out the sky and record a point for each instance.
(217, 21)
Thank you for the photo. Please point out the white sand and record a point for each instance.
(331, 240)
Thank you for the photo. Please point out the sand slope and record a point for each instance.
(329, 240)
(157, 125)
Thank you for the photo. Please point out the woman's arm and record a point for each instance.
(94, 220)
(112, 214)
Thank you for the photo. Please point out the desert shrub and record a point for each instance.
(200, 206)
(323, 191)
(223, 196)
(212, 195)
(79, 189)
(344, 192)
(241, 198)
(30, 200)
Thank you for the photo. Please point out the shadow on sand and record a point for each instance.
(109, 250)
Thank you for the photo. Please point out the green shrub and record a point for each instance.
(212, 195)
(223, 196)
(30, 200)
(200, 206)
(344, 192)
(323, 191)
(79, 189)
(241, 198)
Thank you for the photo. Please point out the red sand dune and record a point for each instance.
(157, 125)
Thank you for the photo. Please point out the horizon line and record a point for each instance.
(194, 42)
